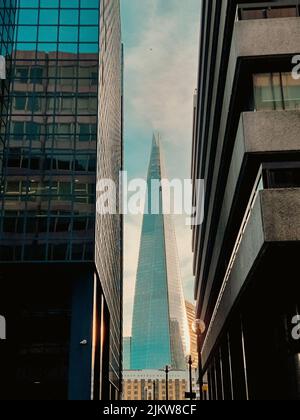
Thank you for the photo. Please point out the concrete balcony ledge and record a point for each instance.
(262, 37)
(256, 39)
(281, 215)
(270, 131)
(259, 133)
(275, 218)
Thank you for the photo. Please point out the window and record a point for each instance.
(33, 130)
(79, 224)
(12, 187)
(62, 224)
(20, 103)
(29, 103)
(64, 163)
(36, 74)
(58, 252)
(34, 163)
(87, 132)
(290, 91)
(87, 104)
(84, 132)
(18, 130)
(82, 164)
(67, 104)
(282, 177)
(67, 72)
(12, 225)
(63, 130)
(34, 103)
(248, 13)
(14, 160)
(22, 74)
(88, 72)
(276, 91)
(94, 81)
(51, 104)
(65, 188)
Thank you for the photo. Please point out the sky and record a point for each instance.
(161, 41)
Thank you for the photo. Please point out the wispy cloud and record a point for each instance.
(161, 72)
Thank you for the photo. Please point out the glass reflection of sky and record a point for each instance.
(51, 133)
(46, 27)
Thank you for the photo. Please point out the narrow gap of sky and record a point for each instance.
(161, 41)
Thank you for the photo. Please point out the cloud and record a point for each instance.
(161, 74)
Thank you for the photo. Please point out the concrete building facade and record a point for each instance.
(246, 148)
(151, 385)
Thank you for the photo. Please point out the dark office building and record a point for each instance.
(60, 262)
(247, 149)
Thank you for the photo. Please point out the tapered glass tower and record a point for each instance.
(160, 329)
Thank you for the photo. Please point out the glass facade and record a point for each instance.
(7, 19)
(126, 352)
(276, 91)
(61, 127)
(159, 329)
(48, 197)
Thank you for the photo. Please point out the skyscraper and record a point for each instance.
(126, 353)
(191, 315)
(246, 148)
(159, 329)
(60, 263)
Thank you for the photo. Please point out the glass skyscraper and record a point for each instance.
(126, 353)
(61, 130)
(160, 333)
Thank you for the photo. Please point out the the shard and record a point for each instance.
(160, 333)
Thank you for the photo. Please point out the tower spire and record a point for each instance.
(159, 325)
(156, 139)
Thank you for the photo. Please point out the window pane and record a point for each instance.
(291, 91)
(276, 91)
(69, 17)
(48, 17)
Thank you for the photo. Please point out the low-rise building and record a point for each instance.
(143, 385)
